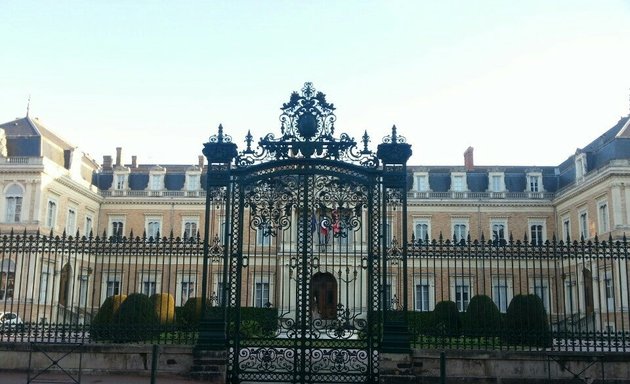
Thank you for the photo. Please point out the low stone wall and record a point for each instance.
(506, 367)
(498, 367)
(96, 357)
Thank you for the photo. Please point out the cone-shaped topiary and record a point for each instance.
(101, 325)
(164, 306)
(482, 317)
(446, 321)
(526, 322)
(136, 319)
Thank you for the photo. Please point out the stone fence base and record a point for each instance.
(422, 366)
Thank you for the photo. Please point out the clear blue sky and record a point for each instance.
(523, 82)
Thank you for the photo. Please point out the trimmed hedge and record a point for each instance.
(526, 322)
(446, 319)
(135, 320)
(482, 317)
(101, 325)
(164, 307)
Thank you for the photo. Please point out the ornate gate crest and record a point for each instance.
(304, 286)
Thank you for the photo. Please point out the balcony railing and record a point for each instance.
(430, 195)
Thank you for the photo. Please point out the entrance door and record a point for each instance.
(324, 290)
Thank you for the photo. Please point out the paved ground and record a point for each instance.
(87, 378)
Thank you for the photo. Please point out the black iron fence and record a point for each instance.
(517, 295)
(475, 295)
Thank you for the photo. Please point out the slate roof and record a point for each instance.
(24, 139)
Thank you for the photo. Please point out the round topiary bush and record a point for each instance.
(446, 321)
(190, 314)
(136, 319)
(101, 325)
(482, 317)
(164, 306)
(526, 322)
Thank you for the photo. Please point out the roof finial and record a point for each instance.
(28, 105)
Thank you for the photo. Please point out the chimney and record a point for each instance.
(134, 161)
(468, 159)
(107, 162)
(118, 155)
(201, 161)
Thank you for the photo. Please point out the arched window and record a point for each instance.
(14, 203)
(7, 279)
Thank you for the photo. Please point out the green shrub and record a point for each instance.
(101, 325)
(526, 322)
(136, 320)
(259, 321)
(420, 323)
(482, 317)
(190, 314)
(446, 320)
(164, 307)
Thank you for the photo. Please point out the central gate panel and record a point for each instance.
(304, 253)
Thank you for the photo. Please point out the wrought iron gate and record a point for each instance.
(305, 247)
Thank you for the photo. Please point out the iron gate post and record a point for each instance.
(220, 152)
(394, 153)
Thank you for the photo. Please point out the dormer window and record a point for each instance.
(421, 181)
(193, 181)
(156, 178)
(580, 166)
(120, 181)
(157, 182)
(534, 182)
(458, 182)
(496, 182)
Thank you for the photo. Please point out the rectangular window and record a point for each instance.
(157, 183)
(113, 284)
(421, 232)
(83, 290)
(498, 232)
(261, 294)
(540, 288)
(44, 280)
(536, 233)
(263, 237)
(149, 282)
(462, 295)
(390, 295)
(190, 230)
(217, 295)
(534, 183)
(51, 214)
(117, 230)
(120, 182)
(566, 229)
(583, 225)
(186, 288)
(422, 183)
(458, 183)
(88, 226)
(609, 291)
(193, 182)
(388, 235)
(153, 229)
(497, 183)
(501, 292)
(460, 232)
(424, 294)
(71, 225)
(14, 209)
(570, 295)
(602, 210)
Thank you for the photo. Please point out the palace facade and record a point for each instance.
(49, 186)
